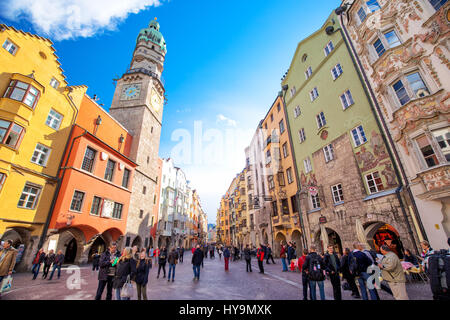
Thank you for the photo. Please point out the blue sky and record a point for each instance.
(223, 65)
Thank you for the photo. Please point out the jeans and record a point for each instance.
(196, 271)
(363, 286)
(305, 283)
(35, 270)
(226, 263)
(172, 268)
(283, 262)
(101, 286)
(336, 283)
(249, 265)
(55, 266)
(312, 287)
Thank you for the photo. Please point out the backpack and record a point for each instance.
(439, 274)
(315, 269)
(353, 264)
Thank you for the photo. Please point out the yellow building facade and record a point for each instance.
(37, 110)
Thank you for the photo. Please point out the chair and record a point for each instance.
(419, 272)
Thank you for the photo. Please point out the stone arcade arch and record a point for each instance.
(379, 233)
(280, 237)
(71, 243)
(297, 238)
(333, 238)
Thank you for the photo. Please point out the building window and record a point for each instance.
(442, 137)
(10, 47)
(88, 160)
(141, 214)
(10, 134)
(379, 47)
(274, 208)
(336, 71)
(307, 165)
(285, 150)
(280, 176)
(271, 117)
(285, 206)
(29, 196)
(117, 211)
(374, 182)
(359, 137)
(270, 182)
(315, 201)
(144, 190)
(427, 151)
(54, 83)
(281, 126)
(328, 152)
(54, 119)
(362, 14)
(109, 172)
(347, 99)
(278, 107)
(410, 87)
(390, 40)
(308, 73)
(301, 134)
(297, 111)
(268, 157)
(126, 178)
(373, 5)
(41, 155)
(294, 204)
(314, 94)
(2, 180)
(320, 118)
(338, 196)
(77, 201)
(293, 91)
(289, 175)
(23, 92)
(327, 50)
(437, 4)
(96, 206)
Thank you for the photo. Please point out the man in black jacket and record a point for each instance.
(248, 257)
(362, 263)
(197, 259)
(269, 254)
(333, 268)
(107, 272)
(59, 260)
(162, 260)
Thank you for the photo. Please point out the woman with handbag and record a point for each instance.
(143, 267)
(7, 262)
(126, 268)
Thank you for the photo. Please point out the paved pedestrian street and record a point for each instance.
(214, 284)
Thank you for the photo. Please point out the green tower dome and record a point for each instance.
(153, 35)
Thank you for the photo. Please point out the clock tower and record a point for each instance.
(138, 105)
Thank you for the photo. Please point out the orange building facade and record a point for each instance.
(91, 207)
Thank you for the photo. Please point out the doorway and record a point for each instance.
(71, 251)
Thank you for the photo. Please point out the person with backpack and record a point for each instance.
(314, 267)
(392, 272)
(333, 268)
(438, 271)
(162, 262)
(346, 274)
(260, 258)
(248, 258)
(305, 281)
(358, 264)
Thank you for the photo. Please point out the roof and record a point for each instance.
(153, 35)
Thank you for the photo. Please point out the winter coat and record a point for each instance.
(49, 259)
(40, 257)
(173, 257)
(197, 257)
(283, 252)
(125, 268)
(142, 272)
(392, 270)
(362, 260)
(247, 254)
(59, 259)
(345, 267)
(162, 257)
(260, 254)
(105, 264)
(290, 253)
(8, 262)
(329, 268)
(412, 259)
(226, 253)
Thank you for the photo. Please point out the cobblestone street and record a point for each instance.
(214, 284)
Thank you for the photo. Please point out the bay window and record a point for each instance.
(23, 92)
(410, 87)
(10, 133)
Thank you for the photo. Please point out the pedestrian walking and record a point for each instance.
(226, 257)
(173, 260)
(350, 278)
(59, 260)
(248, 258)
(333, 268)
(269, 254)
(143, 266)
(283, 256)
(126, 268)
(48, 261)
(290, 253)
(95, 261)
(314, 267)
(162, 259)
(260, 257)
(108, 263)
(39, 258)
(197, 259)
(392, 272)
(211, 253)
(181, 254)
(358, 264)
(220, 252)
(7, 260)
(305, 280)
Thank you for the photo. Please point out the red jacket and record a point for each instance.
(283, 252)
(301, 261)
(193, 250)
(260, 254)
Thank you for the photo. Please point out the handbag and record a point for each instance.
(127, 289)
(6, 284)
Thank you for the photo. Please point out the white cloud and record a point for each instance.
(66, 19)
(222, 119)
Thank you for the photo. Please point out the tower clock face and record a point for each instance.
(156, 101)
(131, 91)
